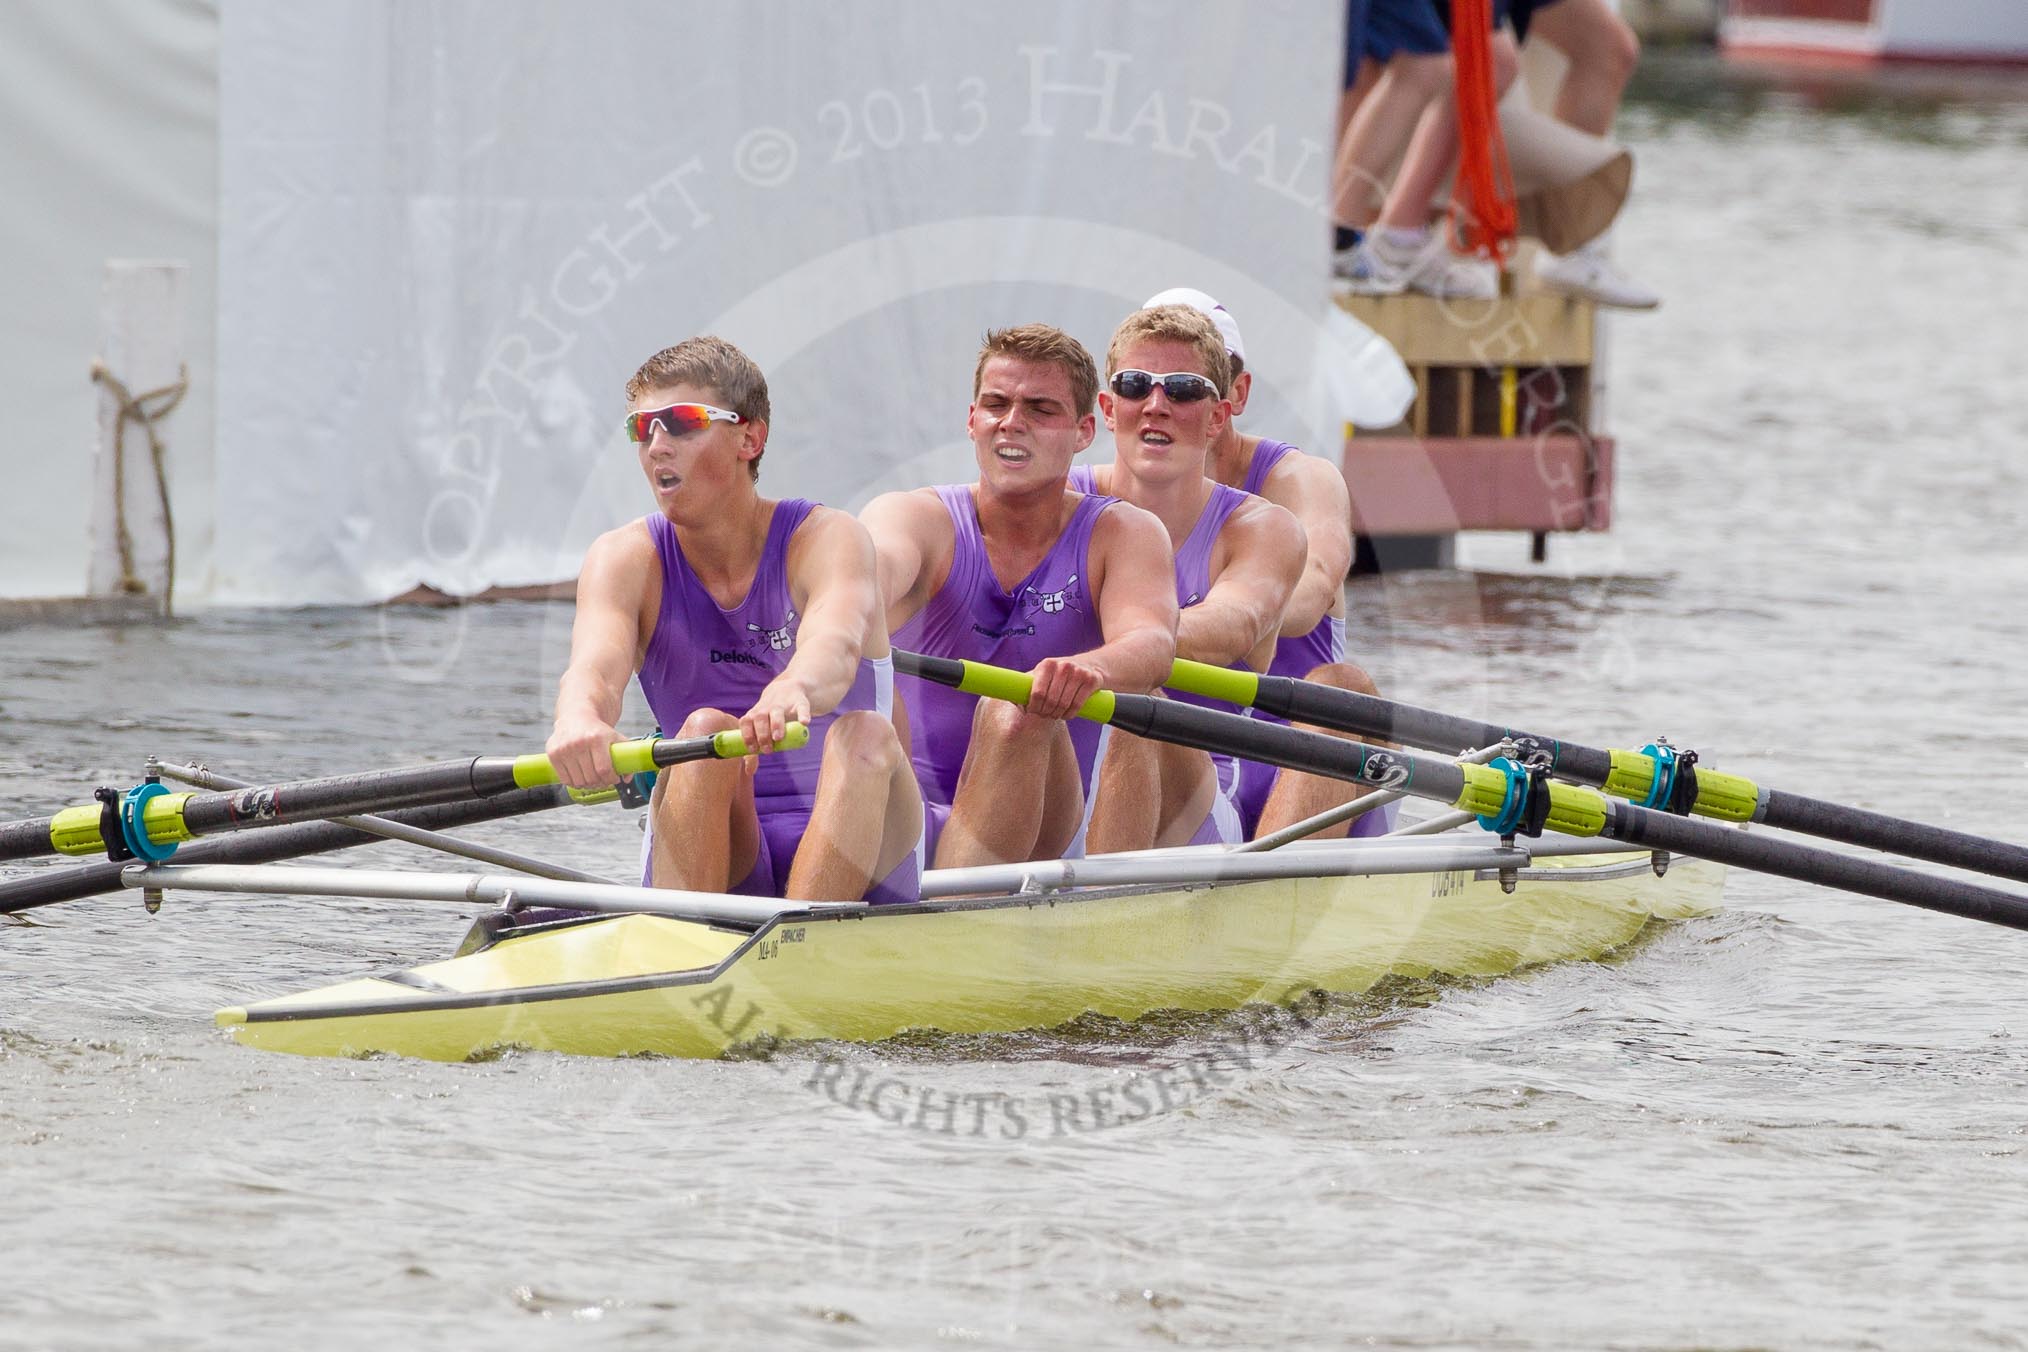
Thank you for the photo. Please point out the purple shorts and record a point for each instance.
(781, 832)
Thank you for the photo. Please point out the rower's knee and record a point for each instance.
(704, 722)
(1344, 676)
(997, 722)
(863, 743)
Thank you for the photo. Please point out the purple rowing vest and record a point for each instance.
(702, 656)
(1296, 658)
(1303, 654)
(1049, 613)
(1193, 580)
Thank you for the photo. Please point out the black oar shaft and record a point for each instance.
(1370, 716)
(1488, 792)
(1444, 781)
(1764, 853)
(302, 800)
(71, 882)
(80, 830)
(1895, 835)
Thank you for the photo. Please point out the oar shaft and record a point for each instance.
(1764, 853)
(1628, 774)
(1574, 810)
(1878, 831)
(1571, 809)
(74, 881)
(172, 818)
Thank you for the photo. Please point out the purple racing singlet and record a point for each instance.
(1296, 658)
(1193, 581)
(1049, 613)
(702, 655)
(1303, 654)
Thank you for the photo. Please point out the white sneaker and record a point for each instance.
(1358, 268)
(1587, 272)
(1377, 266)
(1449, 276)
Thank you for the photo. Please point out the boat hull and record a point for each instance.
(636, 984)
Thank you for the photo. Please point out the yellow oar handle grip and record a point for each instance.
(638, 757)
(1015, 687)
(729, 745)
(75, 830)
(1573, 810)
(1730, 798)
(1201, 678)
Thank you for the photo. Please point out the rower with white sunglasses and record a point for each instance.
(1238, 558)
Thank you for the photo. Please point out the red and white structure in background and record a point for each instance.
(1969, 32)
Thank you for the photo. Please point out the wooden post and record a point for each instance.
(141, 347)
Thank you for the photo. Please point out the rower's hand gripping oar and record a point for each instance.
(148, 821)
(1655, 777)
(1507, 798)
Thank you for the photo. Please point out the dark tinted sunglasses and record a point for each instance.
(1182, 387)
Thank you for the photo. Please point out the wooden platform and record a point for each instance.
(1502, 435)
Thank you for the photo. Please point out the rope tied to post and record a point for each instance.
(144, 410)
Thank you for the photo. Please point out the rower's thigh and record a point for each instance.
(1188, 784)
(1062, 797)
(702, 797)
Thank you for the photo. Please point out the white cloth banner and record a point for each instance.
(450, 232)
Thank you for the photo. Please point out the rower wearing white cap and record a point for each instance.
(1312, 642)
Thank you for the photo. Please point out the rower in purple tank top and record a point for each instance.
(702, 655)
(1237, 557)
(1047, 613)
(743, 613)
(1311, 643)
(1019, 571)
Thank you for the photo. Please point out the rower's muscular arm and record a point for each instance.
(607, 640)
(1259, 555)
(1133, 584)
(913, 541)
(834, 583)
(1314, 490)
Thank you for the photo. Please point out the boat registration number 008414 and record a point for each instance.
(772, 946)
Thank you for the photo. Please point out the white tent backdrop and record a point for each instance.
(448, 233)
(108, 150)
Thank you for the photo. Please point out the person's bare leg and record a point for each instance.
(1298, 797)
(1602, 50)
(867, 815)
(1385, 120)
(1151, 795)
(706, 834)
(997, 814)
(1433, 151)
(1354, 94)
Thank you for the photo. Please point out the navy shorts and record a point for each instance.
(1410, 26)
(1355, 38)
(1520, 11)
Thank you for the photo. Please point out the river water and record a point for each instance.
(1798, 1123)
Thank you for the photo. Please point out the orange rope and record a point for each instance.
(1486, 224)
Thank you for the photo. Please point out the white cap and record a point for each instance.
(1227, 326)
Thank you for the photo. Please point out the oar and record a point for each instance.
(70, 882)
(1491, 793)
(167, 819)
(1628, 774)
